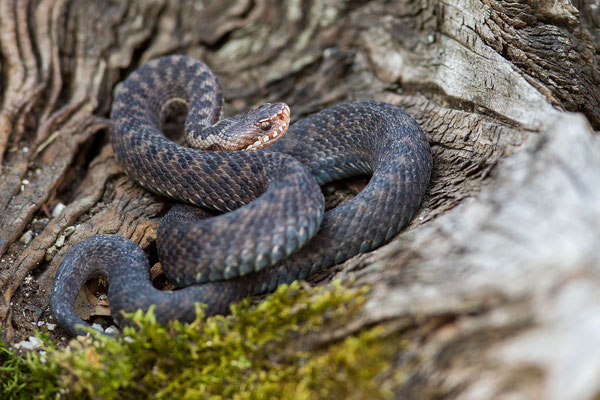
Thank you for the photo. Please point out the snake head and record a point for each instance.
(249, 131)
(271, 121)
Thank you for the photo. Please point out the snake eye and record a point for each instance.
(265, 125)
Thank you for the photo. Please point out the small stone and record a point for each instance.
(139, 21)
(50, 253)
(23, 344)
(111, 330)
(42, 221)
(50, 326)
(37, 342)
(57, 210)
(98, 327)
(32, 343)
(26, 237)
(60, 242)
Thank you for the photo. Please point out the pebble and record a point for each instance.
(26, 237)
(111, 330)
(60, 242)
(32, 343)
(50, 253)
(57, 210)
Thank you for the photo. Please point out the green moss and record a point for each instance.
(12, 380)
(258, 352)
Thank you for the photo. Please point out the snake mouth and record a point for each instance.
(281, 123)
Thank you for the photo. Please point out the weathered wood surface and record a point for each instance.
(496, 282)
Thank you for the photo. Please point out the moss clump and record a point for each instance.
(258, 352)
(13, 383)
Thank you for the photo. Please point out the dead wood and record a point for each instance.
(495, 281)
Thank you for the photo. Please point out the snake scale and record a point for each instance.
(274, 229)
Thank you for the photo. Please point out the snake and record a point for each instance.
(260, 177)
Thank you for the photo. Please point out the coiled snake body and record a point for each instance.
(277, 231)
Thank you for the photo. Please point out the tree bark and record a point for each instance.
(496, 281)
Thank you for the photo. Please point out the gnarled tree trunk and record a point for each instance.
(497, 279)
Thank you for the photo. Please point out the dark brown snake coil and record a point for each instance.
(276, 230)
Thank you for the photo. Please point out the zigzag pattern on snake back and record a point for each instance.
(278, 231)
